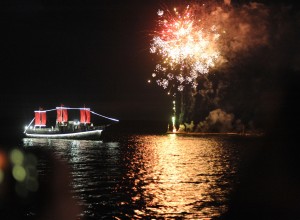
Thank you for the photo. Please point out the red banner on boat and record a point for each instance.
(40, 118)
(88, 115)
(43, 114)
(62, 114)
(65, 115)
(82, 116)
(85, 115)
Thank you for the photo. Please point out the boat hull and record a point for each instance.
(92, 134)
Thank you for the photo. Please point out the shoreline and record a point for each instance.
(217, 133)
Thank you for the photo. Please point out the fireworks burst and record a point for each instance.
(187, 46)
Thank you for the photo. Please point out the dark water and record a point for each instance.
(149, 176)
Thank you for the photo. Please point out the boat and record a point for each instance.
(41, 127)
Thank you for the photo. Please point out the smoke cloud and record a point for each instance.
(259, 46)
(227, 2)
(217, 121)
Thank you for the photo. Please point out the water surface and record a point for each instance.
(149, 176)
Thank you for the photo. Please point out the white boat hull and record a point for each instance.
(75, 135)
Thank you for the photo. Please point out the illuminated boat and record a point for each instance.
(64, 128)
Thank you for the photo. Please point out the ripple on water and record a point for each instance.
(155, 176)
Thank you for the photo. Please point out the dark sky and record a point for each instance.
(92, 53)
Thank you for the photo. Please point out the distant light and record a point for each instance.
(3, 160)
(19, 173)
(149, 81)
(173, 119)
(173, 122)
(1, 176)
(17, 157)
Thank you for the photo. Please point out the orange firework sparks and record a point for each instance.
(186, 45)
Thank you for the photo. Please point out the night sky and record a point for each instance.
(94, 54)
(76, 53)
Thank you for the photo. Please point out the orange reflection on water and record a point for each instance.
(182, 176)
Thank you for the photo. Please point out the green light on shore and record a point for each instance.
(173, 122)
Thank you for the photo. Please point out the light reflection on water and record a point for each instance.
(152, 176)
